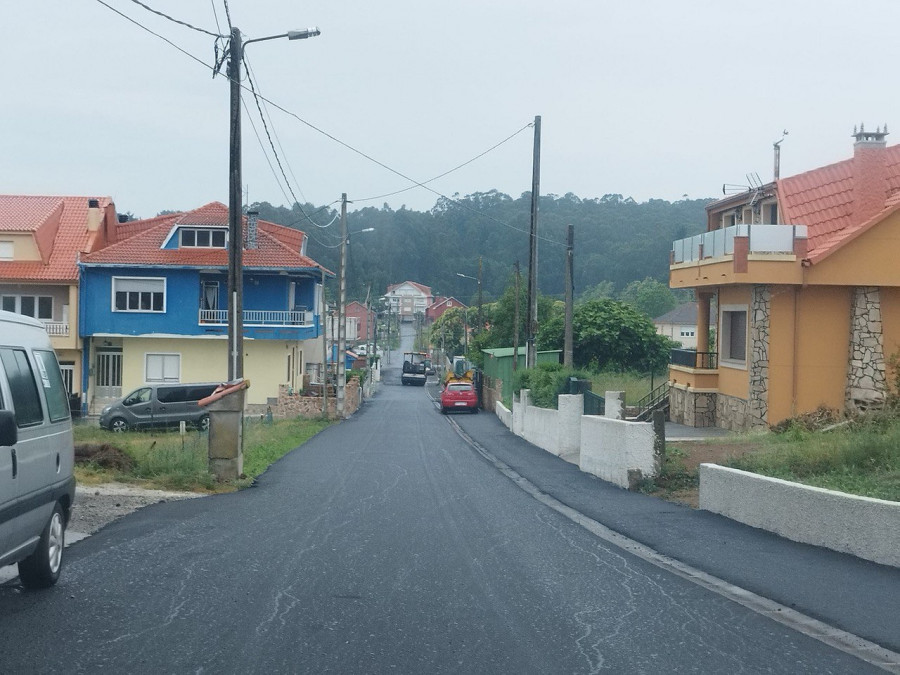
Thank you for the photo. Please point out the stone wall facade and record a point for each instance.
(734, 414)
(692, 408)
(866, 374)
(291, 405)
(760, 313)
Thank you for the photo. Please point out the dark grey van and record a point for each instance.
(159, 405)
(37, 453)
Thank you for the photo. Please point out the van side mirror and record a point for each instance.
(9, 432)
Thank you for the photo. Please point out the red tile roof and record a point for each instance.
(822, 199)
(59, 227)
(278, 246)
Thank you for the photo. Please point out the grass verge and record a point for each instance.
(166, 460)
(862, 459)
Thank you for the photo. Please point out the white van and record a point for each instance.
(37, 485)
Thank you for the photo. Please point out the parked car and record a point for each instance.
(159, 405)
(37, 453)
(459, 395)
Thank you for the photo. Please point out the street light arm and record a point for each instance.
(465, 276)
(290, 35)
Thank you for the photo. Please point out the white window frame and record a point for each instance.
(197, 231)
(164, 378)
(116, 280)
(17, 297)
(687, 332)
(725, 336)
(7, 250)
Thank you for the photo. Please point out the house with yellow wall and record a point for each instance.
(802, 281)
(41, 238)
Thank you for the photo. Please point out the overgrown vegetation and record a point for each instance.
(546, 382)
(862, 457)
(167, 460)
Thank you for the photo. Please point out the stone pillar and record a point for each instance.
(226, 436)
(866, 376)
(760, 313)
(615, 405)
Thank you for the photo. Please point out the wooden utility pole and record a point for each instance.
(570, 293)
(235, 234)
(516, 324)
(480, 317)
(340, 357)
(531, 355)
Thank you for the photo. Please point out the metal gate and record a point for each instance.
(108, 374)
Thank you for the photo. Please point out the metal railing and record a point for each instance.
(57, 328)
(691, 358)
(259, 317)
(657, 398)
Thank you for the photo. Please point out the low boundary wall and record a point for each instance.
(614, 450)
(865, 527)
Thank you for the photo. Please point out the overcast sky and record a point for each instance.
(649, 99)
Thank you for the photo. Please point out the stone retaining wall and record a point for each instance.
(289, 405)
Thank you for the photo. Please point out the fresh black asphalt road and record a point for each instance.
(387, 544)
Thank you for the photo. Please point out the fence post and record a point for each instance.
(659, 440)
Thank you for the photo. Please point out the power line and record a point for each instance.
(265, 154)
(332, 137)
(466, 163)
(272, 145)
(174, 20)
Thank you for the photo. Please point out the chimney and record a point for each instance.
(869, 173)
(252, 218)
(94, 215)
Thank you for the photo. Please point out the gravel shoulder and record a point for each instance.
(99, 505)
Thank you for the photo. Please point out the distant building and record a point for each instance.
(440, 305)
(407, 299)
(679, 325)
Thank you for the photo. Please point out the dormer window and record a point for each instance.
(202, 237)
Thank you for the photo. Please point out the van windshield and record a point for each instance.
(141, 395)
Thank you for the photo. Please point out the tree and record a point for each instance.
(603, 289)
(649, 297)
(447, 331)
(610, 334)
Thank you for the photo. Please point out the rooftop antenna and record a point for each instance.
(777, 146)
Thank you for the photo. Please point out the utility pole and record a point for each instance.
(341, 331)
(480, 318)
(570, 292)
(235, 231)
(516, 324)
(531, 355)
(323, 318)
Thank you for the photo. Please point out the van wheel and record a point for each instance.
(203, 424)
(41, 569)
(118, 425)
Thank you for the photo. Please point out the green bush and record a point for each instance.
(546, 382)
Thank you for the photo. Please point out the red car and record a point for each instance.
(459, 395)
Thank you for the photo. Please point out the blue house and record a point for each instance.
(153, 305)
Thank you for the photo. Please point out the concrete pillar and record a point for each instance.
(518, 412)
(226, 436)
(702, 324)
(571, 408)
(615, 405)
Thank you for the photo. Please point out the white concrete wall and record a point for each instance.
(611, 448)
(504, 414)
(864, 527)
(541, 427)
(606, 448)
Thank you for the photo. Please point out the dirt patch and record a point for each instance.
(103, 455)
(680, 483)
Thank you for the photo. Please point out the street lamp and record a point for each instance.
(235, 231)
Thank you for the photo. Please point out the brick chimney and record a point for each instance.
(869, 173)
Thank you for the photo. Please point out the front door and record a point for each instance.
(108, 370)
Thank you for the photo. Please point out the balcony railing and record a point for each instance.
(694, 359)
(57, 328)
(719, 243)
(259, 317)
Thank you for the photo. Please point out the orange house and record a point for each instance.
(803, 279)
